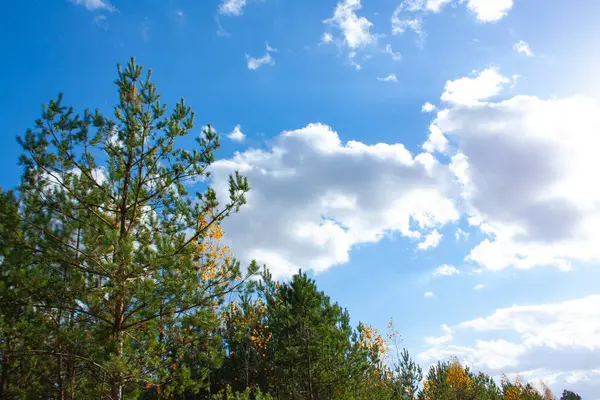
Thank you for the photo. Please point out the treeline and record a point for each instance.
(114, 282)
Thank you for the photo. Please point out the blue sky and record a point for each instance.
(490, 186)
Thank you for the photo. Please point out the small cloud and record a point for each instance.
(327, 38)
(255, 63)
(395, 56)
(220, 30)
(472, 90)
(429, 295)
(180, 13)
(101, 21)
(233, 8)
(431, 241)
(428, 107)
(460, 234)
(145, 29)
(237, 135)
(94, 5)
(389, 78)
(522, 47)
(270, 49)
(401, 24)
(478, 287)
(355, 29)
(446, 270)
(351, 58)
(489, 11)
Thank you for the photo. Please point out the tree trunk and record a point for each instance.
(5, 366)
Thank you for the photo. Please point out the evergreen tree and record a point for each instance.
(120, 270)
(568, 395)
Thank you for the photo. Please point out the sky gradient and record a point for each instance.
(430, 161)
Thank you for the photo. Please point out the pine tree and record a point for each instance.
(120, 266)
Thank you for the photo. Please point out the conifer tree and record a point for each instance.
(120, 265)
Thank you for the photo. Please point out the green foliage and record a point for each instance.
(117, 265)
(568, 395)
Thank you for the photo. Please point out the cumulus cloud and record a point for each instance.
(355, 29)
(428, 107)
(95, 5)
(472, 90)
(237, 135)
(429, 295)
(389, 78)
(446, 270)
(555, 341)
(489, 10)
(255, 63)
(541, 207)
(312, 198)
(522, 47)
(431, 240)
(479, 286)
(233, 8)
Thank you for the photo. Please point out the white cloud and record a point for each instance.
(389, 78)
(400, 24)
(436, 5)
(522, 47)
(445, 338)
(433, 6)
(395, 55)
(237, 135)
(255, 63)
(313, 198)
(94, 5)
(428, 107)
(267, 59)
(558, 342)
(429, 295)
(431, 241)
(436, 141)
(446, 270)
(351, 58)
(479, 286)
(327, 38)
(355, 29)
(233, 8)
(472, 90)
(489, 10)
(270, 49)
(541, 208)
(460, 234)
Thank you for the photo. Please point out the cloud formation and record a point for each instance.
(233, 8)
(522, 47)
(555, 341)
(389, 78)
(95, 5)
(312, 198)
(256, 62)
(446, 270)
(356, 30)
(237, 135)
